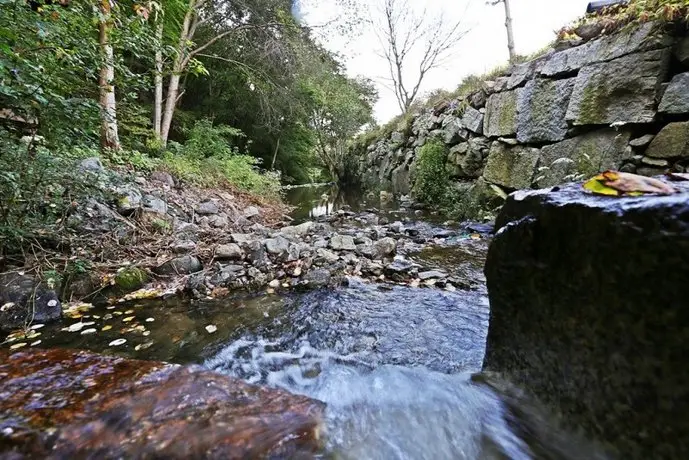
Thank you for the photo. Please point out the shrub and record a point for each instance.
(432, 179)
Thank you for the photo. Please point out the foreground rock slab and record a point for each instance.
(589, 312)
(72, 404)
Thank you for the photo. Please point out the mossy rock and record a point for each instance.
(130, 279)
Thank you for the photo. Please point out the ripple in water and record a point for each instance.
(393, 368)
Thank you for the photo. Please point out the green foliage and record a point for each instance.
(206, 140)
(432, 179)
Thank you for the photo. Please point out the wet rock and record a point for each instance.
(230, 251)
(251, 212)
(514, 167)
(25, 301)
(277, 246)
(163, 178)
(681, 52)
(671, 141)
(155, 204)
(676, 96)
(443, 233)
(396, 227)
(602, 92)
(207, 208)
(109, 407)
(92, 164)
(130, 279)
(399, 266)
(384, 247)
(342, 243)
(585, 330)
(179, 266)
(318, 278)
(432, 274)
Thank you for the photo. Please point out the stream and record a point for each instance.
(394, 363)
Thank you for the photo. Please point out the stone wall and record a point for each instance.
(617, 102)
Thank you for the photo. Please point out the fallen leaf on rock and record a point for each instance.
(613, 183)
(129, 312)
(677, 176)
(18, 345)
(33, 335)
(211, 328)
(142, 294)
(128, 319)
(143, 346)
(89, 331)
(117, 342)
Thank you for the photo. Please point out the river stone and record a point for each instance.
(318, 278)
(297, 231)
(242, 238)
(641, 142)
(128, 200)
(78, 404)
(432, 274)
(589, 333)
(155, 204)
(179, 266)
(681, 52)
(257, 254)
(163, 178)
(583, 156)
(230, 251)
(623, 90)
(327, 256)
(25, 301)
(207, 208)
(473, 120)
(342, 243)
(183, 246)
(676, 96)
(92, 164)
(251, 212)
(277, 246)
(672, 141)
(384, 247)
(218, 220)
(607, 48)
(541, 110)
(512, 167)
(501, 114)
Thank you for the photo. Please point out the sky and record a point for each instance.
(484, 47)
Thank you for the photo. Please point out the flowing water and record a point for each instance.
(393, 363)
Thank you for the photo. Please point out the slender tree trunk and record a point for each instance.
(177, 70)
(275, 155)
(510, 31)
(109, 138)
(158, 104)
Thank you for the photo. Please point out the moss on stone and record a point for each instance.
(130, 279)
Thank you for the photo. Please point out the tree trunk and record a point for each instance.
(158, 104)
(177, 70)
(275, 155)
(510, 31)
(109, 138)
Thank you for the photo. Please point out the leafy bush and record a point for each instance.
(206, 140)
(432, 179)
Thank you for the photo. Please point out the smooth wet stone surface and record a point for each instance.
(589, 312)
(69, 404)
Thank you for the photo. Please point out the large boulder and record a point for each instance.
(25, 301)
(74, 404)
(541, 110)
(676, 96)
(589, 312)
(632, 40)
(582, 156)
(511, 167)
(671, 142)
(501, 114)
(184, 265)
(401, 184)
(473, 120)
(620, 91)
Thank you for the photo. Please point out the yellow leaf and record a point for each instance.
(128, 319)
(106, 328)
(596, 186)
